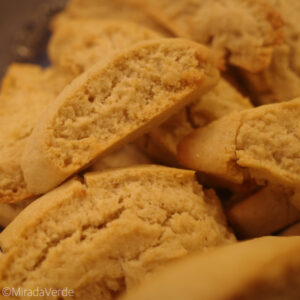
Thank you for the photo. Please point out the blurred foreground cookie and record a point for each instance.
(242, 32)
(80, 43)
(264, 268)
(260, 144)
(26, 91)
(106, 233)
(111, 105)
(281, 80)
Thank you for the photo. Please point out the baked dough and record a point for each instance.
(281, 80)
(80, 43)
(260, 144)
(25, 93)
(109, 231)
(266, 212)
(242, 32)
(162, 142)
(111, 105)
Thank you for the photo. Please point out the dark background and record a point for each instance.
(24, 30)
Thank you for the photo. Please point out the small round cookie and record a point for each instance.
(267, 268)
(113, 104)
(106, 233)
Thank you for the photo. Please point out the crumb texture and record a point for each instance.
(268, 142)
(112, 104)
(114, 231)
(281, 80)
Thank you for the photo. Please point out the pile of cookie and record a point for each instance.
(157, 157)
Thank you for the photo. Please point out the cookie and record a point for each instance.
(281, 80)
(251, 144)
(293, 230)
(265, 212)
(128, 156)
(220, 101)
(114, 228)
(111, 105)
(243, 33)
(26, 91)
(162, 142)
(264, 268)
(104, 10)
(8, 212)
(80, 43)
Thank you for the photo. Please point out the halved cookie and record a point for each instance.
(114, 228)
(112, 104)
(261, 144)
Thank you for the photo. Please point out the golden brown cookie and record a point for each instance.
(161, 143)
(127, 156)
(26, 91)
(267, 268)
(260, 144)
(242, 32)
(80, 43)
(293, 230)
(105, 10)
(112, 104)
(281, 80)
(8, 212)
(106, 233)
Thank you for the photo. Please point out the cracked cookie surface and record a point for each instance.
(109, 232)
